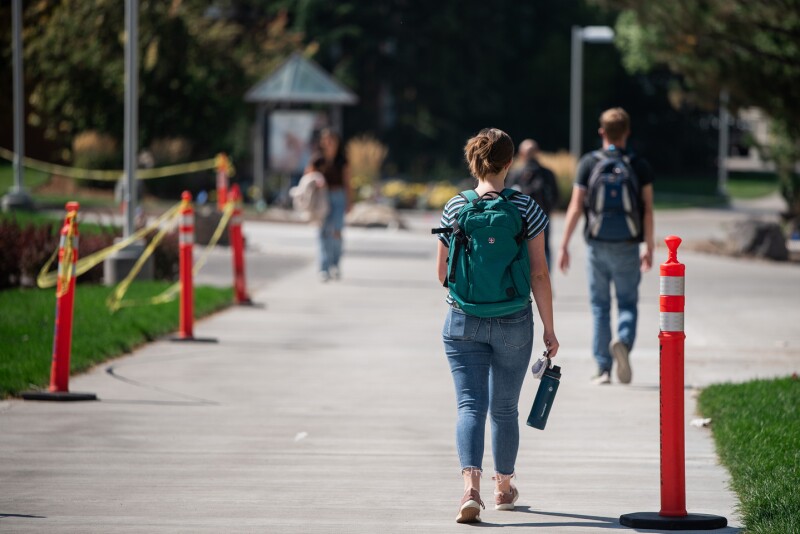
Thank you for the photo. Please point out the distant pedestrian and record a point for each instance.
(310, 195)
(538, 182)
(337, 176)
(614, 190)
(489, 352)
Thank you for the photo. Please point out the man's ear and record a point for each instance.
(601, 132)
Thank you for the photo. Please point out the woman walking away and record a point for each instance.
(490, 255)
(337, 176)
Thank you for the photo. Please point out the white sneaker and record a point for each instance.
(324, 276)
(602, 377)
(620, 353)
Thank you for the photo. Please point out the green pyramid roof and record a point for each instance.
(300, 81)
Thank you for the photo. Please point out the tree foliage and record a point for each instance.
(427, 74)
(195, 64)
(750, 49)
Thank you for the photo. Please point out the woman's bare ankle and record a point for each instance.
(472, 478)
(502, 483)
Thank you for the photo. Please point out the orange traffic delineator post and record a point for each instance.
(65, 303)
(223, 170)
(185, 261)
(237, 247)
(673, 515)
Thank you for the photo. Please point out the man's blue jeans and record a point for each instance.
(330, 234)
(489, 360)
(617, 263)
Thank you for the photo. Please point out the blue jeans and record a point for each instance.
(489, 360)
(330, 234)
(617, 263)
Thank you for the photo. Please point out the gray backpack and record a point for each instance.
(612, 203)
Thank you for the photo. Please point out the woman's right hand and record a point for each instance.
(551, 343)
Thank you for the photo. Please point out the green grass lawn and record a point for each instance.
(687, 191)
(25, 218)
(27, 327)
(30, 179)
(756, 427)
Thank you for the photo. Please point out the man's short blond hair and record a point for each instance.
(616, 123)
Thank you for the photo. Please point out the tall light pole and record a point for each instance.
(118, 265)
(580, 35)
(17, 197)
(131, 112)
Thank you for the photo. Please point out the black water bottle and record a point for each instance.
(545, 397)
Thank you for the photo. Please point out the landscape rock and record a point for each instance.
(760, 239)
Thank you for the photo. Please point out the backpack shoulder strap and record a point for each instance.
(469, 195)
(508, 192)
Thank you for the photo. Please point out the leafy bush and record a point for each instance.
(9, 259)
(166, 258)
(26, 246)
(94, 150)
(365, 155)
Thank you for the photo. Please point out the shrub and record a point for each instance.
(564, 166)
(36, 245)
(9, 249)
(365, 155)
(166, 258)
(170, 150)
(94, 150)
(26, 247)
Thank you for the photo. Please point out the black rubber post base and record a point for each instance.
(195, 339)
(653, 520)
(59, 396)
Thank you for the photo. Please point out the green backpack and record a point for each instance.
(488, 270)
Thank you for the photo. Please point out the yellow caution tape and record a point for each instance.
(46, 279)
(227, 212)
(65, 266)
(114, 175)
(115, 301)
(223, 163)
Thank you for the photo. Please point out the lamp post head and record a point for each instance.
(597, 34)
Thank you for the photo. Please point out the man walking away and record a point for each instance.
(614, 190)
(538, 182)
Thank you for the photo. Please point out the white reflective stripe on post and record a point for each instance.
(187, 219)
(62, 241)
(236, 219)
(672, 285)
(75, 242)
(185, 238)
(670, 321)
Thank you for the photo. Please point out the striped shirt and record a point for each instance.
(532, 214)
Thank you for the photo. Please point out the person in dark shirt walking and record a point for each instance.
(614, 190)
(538, 182)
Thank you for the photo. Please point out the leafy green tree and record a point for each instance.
(196, 62)
(750, 49)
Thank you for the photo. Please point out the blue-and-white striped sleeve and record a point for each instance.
(449, 214)
(534, 217)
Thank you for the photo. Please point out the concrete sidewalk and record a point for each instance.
(332, 409)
